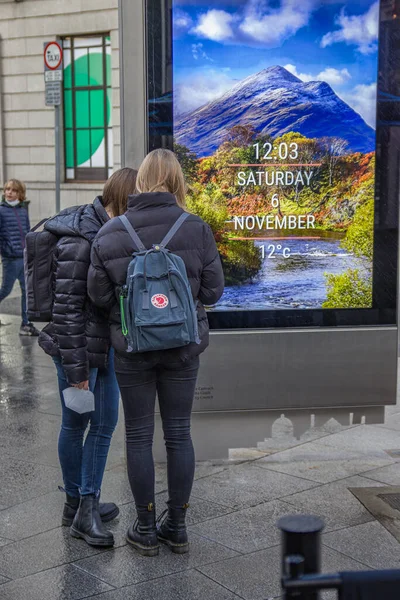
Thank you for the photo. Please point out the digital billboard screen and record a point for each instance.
(274, 123)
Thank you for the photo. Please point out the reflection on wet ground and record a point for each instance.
(235, 551)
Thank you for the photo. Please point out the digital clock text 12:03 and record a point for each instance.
(285, 151)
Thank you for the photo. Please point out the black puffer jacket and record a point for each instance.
(152, 215)
(79, 331)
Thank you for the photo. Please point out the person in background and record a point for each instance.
(78, 339)
(172, 374)
(14, 225)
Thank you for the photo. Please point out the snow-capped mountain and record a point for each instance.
(275, 102)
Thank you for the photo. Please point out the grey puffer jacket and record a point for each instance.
(79, 331)
(152, 215)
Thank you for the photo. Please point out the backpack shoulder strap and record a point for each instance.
(40, 223)
(177, 225)
(136, 239)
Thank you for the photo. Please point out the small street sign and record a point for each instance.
(53, 61)
(53, 56)
(53, 93)
(53, 75)
(53, 72)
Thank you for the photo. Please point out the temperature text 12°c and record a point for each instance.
(273, 250)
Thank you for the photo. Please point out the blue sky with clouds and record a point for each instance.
(330, 40)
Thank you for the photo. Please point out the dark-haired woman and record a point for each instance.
(78, 340)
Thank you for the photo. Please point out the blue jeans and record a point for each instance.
(13, 269)
(174, 384)
(83, 462)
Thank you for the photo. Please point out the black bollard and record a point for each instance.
(301, 551)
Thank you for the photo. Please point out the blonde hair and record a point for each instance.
(118, 187)
(17, 185)
(161, 172)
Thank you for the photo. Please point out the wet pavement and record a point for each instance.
(235, 504)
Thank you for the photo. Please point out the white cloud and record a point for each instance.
(215, 25)
(257, 24)
(199, 52)
(330, 75)
(182, 20)
(272, 26)
(361, 30)
(200, 89)
(303, 76)
(334, 76)
(363, 99)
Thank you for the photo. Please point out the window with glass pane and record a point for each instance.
(87, 108)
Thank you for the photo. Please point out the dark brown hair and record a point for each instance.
(119, 186)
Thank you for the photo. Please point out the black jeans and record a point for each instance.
(175, 385)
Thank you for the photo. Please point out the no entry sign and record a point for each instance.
(52, 56)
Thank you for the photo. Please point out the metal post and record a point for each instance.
(58, 165)
(133, 82)
(301, 550)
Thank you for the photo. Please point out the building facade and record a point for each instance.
(90, 112)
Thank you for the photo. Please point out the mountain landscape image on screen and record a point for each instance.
(274, 102)
(254, 80)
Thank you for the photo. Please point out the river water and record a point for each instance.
(295, 282)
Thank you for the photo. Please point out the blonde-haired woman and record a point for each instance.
(171, 374)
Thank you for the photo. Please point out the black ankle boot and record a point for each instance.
(171, 529)
(142, 535)
(108, 511)
(88, 525)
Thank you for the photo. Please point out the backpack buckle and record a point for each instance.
(156, 247)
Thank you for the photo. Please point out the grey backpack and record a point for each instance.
(157, 307)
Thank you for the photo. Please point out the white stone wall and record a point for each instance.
(27, 126)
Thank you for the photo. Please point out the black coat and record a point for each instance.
(152, 215)
(79, 331)
(14, 225)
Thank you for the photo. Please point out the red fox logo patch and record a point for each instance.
(159, 301)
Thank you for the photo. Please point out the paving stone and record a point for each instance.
(45, 455)
(120, 525)
(32, 517)
(21, 481)
(44, 551)
(392, 418)
(64, 583)
(116, 486)
(25, 430)
(189, 585)
(124, 566)
(366, 439)
(247, 485)
(395, 408)
(199, 510)
(334, 503)
(389, 474)
(322, 463)
(257, 575)
(4, 541)
(248, 529)
(3, 580)
(369, 543)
